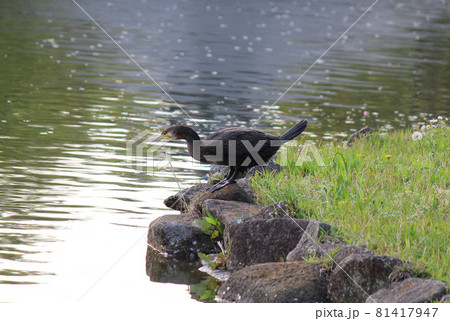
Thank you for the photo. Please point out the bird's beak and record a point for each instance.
(166, 136)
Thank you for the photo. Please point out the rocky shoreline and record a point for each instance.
(273, 257)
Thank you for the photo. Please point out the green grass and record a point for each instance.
(390, 193)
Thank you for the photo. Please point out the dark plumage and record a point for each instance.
(239, 148)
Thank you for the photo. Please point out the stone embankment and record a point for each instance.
(274, 257)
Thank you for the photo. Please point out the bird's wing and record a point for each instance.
(240, 134)
(235, 140)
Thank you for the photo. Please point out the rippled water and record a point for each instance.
(74, 207)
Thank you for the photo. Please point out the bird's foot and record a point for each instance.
(222, 184)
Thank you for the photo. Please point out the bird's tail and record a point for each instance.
(295, 131)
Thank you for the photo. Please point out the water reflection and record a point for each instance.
(70, 100)
(202, 287)
(167, 270)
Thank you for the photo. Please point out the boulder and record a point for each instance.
(275, 282)
(263, 169)
(280, 209)
(308, 250)
(412, 290)
(363, 132)
(445, 299)
(219, 172)
(228, 212)
(189, 199)
(181, 200)
(309, 245)
(176, 236)
(346, 251)
(231, 192)
(358, 274)
(256, 241)
(247, 187)
(406, 271)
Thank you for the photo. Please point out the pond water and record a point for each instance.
(75, 206)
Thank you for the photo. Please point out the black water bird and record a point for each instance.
(239, 148)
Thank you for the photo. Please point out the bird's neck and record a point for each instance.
(192, 138)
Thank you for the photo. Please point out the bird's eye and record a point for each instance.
(163, 133)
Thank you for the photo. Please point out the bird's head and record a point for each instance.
(175, 132)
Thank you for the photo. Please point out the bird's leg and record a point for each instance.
(231, 178)
(230, 173)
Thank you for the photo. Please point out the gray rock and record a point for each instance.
(346, 250)
(363, 132)
(247, 187)
(231, 192)
(280, 209)
(309, 245)
(219, 172)
(317, 250)
(445, 299)
(228, 212)
(263, 169)
(189, 199)
(358, 274)
(275, 282)
(406, 271)
(412, 290)
(181, 200)
(259, 241)
(176, 236)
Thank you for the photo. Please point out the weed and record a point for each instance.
(210, 225)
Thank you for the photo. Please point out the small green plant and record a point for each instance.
(215, 261)
(210, 225)
(326, 260)
(206, 290)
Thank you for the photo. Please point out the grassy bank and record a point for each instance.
(391, 192)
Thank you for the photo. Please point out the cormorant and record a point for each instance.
(239, 148)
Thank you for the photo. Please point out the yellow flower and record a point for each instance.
(342, 202)
(388, 156)
(361, 155)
